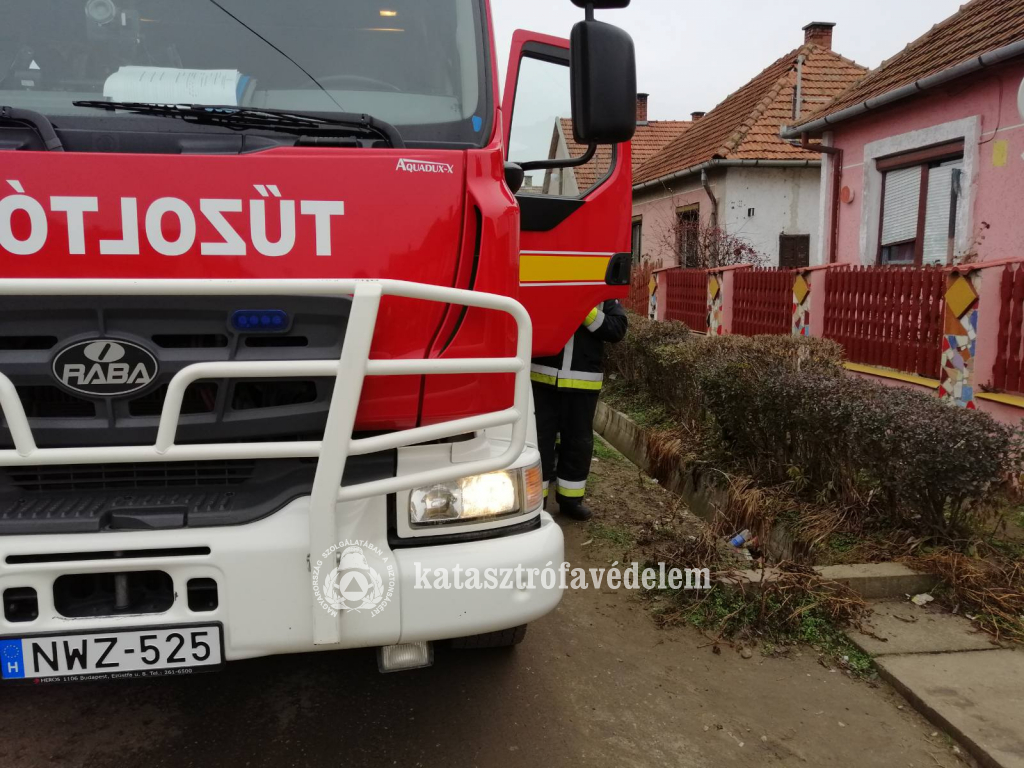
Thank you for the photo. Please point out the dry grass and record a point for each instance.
(990, 592)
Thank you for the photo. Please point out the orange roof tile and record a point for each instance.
(647, 140)
(652, 136)
(745, 126)
(978, 27)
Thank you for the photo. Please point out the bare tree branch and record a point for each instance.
(696, 244)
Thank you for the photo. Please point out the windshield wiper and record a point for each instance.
(38, 121)
(241, 118)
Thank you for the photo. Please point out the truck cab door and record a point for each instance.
(575, 222)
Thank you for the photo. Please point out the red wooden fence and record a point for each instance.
(639, 290)
(888, 316)
(1008, 373)
(762, 301)
(687, 297)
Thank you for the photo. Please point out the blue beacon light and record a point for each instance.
(260, 320)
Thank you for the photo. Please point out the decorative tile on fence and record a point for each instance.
(716, 302)
(802, 304)
(959, 340)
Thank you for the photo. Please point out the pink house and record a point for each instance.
(923, 164)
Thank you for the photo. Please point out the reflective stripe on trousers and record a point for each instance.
(566, 378)
(573, 489)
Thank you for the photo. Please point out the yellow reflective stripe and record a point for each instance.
(545, 493)
(543, 378)
(591, 317)
(542, 268)
(572, 493)
(579, 384)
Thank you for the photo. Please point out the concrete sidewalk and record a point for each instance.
(955, 676)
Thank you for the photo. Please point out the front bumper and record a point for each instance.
(266, 603)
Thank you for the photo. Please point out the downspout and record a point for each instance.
(837, 181)
(711, 196)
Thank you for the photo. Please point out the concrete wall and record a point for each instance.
(785, 201)
(982, 109)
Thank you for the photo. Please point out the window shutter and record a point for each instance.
(794, 251)
(902, 200)
(937, 214)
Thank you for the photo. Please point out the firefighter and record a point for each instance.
(566, 387)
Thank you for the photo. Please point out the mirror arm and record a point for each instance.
(573, 162)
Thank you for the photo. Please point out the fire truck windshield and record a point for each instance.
(420, 65)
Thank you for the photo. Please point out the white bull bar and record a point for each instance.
(349, 372)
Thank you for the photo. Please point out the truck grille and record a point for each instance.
(178, 332)
(46, 402)
(96, 477)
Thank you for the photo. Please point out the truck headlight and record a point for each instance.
(477, 498)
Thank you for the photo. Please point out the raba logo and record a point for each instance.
(105, 367)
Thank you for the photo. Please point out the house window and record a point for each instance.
(688, 235)
(637, 236)
(920, 196)
(794, 251)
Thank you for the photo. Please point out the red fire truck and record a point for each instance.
(271, 277)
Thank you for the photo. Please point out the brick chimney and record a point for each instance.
(819, 33)
(641, 108)
(695, 116)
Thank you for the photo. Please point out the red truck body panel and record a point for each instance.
(441, 217)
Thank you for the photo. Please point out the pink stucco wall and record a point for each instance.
(658, 207)
(985, 106)
(996, 228)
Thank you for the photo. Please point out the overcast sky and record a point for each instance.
(692, 54)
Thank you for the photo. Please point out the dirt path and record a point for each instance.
(595, 684)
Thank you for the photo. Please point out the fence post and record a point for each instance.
(802, 303)
(716, 319)
(959, 339)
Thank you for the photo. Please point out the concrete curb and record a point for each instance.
(958, 677)
(970, 695)
(871, 581)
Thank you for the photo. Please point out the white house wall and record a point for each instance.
(785, 201)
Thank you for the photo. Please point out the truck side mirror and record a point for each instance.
(603, 76)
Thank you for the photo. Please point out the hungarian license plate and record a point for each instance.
(151, 652)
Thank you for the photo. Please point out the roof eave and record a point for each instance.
(726, 163)
(986, 60)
